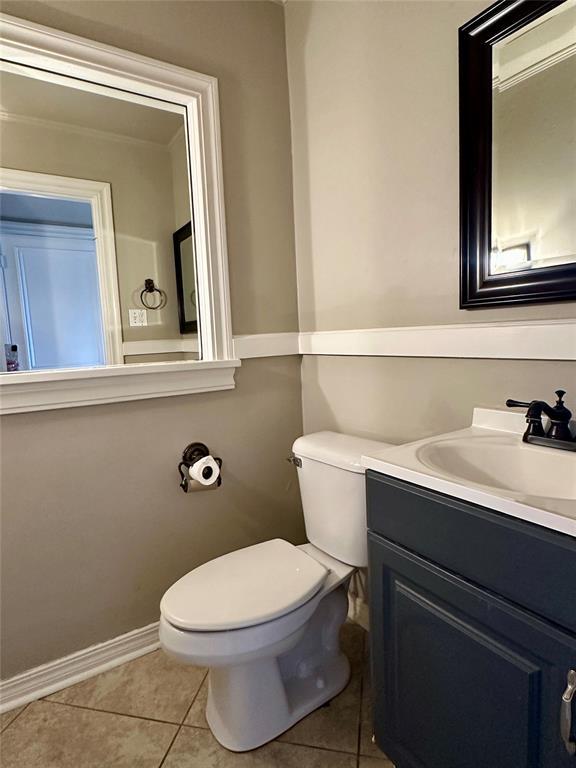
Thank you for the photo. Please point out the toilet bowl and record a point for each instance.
(267, 676)
(265, 619)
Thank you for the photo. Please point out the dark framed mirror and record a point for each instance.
(517, 63)
(185, 262)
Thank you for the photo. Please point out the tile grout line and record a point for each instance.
(182, 721)
(312, 746)
(291, 743)
(108, 712)
(194, 698)
(161, 763)
(25, 707)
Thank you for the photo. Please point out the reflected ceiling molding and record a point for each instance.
(526, 53)
(78, 130)
(513, 77)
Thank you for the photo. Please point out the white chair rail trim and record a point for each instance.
(550, 340)
(267, 345)
(37, 390)
(248, 346)
(61, 673)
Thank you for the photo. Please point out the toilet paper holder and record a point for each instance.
(190, 455)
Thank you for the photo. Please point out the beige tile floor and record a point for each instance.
(149, 713)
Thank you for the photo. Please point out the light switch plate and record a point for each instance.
(137, 317)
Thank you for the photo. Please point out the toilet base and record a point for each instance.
(252, 703)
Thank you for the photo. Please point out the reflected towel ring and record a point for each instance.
(148, 300)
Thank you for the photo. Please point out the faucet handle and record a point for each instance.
(560, 420)
(560, 393)
(533, 417)
(561, 413)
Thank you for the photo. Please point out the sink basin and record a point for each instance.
(488, 464)
(504, 462)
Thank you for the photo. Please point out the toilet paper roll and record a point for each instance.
(205, 471)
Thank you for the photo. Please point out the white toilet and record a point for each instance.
(265, 619)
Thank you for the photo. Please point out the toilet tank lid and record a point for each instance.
(336, 449)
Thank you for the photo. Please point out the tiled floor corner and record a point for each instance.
(149, 713)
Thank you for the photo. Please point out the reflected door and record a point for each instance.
(51, 301)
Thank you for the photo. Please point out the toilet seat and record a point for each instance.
(235, 646)
(244, 588)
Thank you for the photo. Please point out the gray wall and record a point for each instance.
(374, 105)
(398, 399)
(94, 525)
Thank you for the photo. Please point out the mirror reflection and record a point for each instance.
(186, 279)
(93, 186)
(534, 145)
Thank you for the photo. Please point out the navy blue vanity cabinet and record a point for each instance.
(466, 672)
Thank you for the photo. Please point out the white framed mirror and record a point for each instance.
(105, 155)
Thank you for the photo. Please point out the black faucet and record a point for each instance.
(558, 434)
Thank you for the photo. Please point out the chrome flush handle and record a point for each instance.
(296, 460)
(566, 713)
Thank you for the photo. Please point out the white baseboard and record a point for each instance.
(56, 675)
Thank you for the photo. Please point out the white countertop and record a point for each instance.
(405, 463)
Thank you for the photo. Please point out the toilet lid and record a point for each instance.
(243, 588)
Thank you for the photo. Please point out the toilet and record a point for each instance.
(265, 619)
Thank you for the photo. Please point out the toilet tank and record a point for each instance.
(332, 487)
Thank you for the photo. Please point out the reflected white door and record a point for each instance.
(51, 298)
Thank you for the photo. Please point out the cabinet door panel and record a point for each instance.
(462, 679)
(436, 652)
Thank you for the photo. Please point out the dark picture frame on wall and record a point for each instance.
(185, 279)
(479, 288)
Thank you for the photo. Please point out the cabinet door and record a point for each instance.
(462, 679)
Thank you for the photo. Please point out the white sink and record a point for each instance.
(504, 462)
(489, 465)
